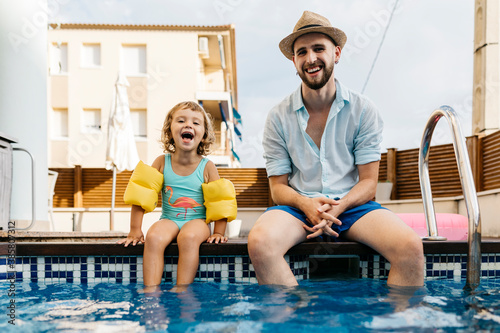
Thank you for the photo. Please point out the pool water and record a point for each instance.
(359, 305)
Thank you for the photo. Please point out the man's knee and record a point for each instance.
(257, 239)
(411, 250)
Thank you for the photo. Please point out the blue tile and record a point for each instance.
(3, 276)
(3, 261)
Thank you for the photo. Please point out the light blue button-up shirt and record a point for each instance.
(352, 136)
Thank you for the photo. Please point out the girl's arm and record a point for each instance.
(211, 174)
(135, 235)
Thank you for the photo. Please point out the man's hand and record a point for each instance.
(322, 213)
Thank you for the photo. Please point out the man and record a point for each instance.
(322, 151)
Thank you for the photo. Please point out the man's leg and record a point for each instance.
(387, 234)
(274, 233)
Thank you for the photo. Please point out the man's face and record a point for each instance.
(314, 58)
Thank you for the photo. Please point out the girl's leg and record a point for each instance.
(192, 234)
(159, 236)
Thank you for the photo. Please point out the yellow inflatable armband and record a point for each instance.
(220, 200)
(143, 187)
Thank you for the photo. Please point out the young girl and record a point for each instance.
(186, 208)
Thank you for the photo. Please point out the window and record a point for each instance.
(58, 58)
(59, 123)
(138, 117)
(91, 121)
(133, 59)
(91, 55)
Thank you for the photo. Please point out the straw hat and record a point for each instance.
(308, 23)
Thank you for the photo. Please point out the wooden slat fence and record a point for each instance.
(92, 187)
(490, 161)
(251, 185)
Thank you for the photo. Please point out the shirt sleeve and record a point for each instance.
(275, 150)
(369, 137)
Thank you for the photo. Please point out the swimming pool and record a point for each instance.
(358, 305)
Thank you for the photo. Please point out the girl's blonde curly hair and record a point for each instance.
(168, 142)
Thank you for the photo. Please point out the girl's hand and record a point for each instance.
(133, 238)
(217, 238)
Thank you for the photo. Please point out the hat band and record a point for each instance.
(309, 26)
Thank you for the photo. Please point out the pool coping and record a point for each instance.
(235, 247)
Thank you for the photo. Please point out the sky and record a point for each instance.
(425, 60)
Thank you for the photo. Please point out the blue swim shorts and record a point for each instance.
(348, 218)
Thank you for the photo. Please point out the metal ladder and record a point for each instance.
(468, 189)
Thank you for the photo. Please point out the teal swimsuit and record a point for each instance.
(182, 196)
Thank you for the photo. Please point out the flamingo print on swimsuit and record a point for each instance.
(182, 202)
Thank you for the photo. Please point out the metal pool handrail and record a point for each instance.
(468, 189)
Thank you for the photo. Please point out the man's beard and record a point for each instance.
(315, 85)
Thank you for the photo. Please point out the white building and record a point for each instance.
(163, 64)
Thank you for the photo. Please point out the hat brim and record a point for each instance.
(286, 44)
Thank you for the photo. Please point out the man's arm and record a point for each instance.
(314, 208)
(363, 191)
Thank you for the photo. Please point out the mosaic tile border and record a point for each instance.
(225, 269)
(128, 269)
(437, 266)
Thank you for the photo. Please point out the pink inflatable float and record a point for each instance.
(451, 226)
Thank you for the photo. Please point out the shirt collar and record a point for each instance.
(341, 99)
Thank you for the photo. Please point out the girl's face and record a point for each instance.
(188, 129)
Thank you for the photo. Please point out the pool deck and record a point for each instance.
(71, 243)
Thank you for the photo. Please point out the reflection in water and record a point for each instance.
(341, 305)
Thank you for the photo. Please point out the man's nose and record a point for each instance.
(311, 57)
